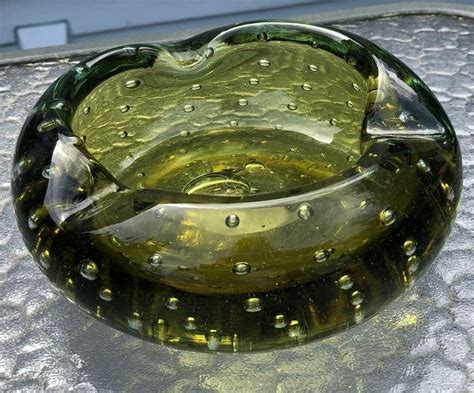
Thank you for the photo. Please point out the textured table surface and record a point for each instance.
(421, 342)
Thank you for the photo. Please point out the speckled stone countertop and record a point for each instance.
(422, 342)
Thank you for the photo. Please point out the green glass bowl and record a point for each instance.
(253, 187)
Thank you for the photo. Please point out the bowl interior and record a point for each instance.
(229, 119)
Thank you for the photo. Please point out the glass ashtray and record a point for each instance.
(253, 187)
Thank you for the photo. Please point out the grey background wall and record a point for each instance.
(95, 20)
